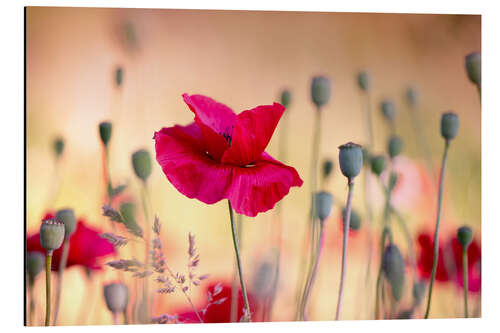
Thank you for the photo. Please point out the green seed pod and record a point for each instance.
(355, 221)
(378, 164)
(411, 96)
(116, 296)
(388, 110)
(320, 90)
(51, 234)
(395, 146)
(105, 129)
(473, 67)
(418, 292)
(364, 80)
(393, 266)
(59, 146)
(324, 203)
(393, 180)
(464, 235)
(34, 265)
(350, 159)
(327, 168)
(449, 125)
(286, 98)
(141, 161)
(119, 76)
(67, 216)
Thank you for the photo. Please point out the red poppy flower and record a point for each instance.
(221, 313)
(85, 247)
(221, 156)
(449, 267)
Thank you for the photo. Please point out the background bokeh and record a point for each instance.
(244, 59)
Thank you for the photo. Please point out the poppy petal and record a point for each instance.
(187, 166)
(257, 188)
(252, 132)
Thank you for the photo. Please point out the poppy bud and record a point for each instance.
(128, 213)
(58, 146)
(67, 216)
(350, 159)
(388, 110)
(324, 202)
(473, 67)
(393, 266)
(393, 180)
(449, 125)
(320, 90)
(51, 234)
(464, 235)
(116, 296)
(395, 146)
(141, 161)
(286, 98)
(411, 96)
(418, 292)
(105, 129)
(355, 221)
(378, 164)
(34, 265)
(327, 168)
(364, 80)
(119, 76)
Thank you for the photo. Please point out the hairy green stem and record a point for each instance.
(234, 287)
(436, 231)
(465, 270)
(48, 265)
(62, 267)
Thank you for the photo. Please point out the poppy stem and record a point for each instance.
(234, 287)
(411, 251)
(32, 301)
(48, 265)
(386, 233)
(146, 204)
(465, 270)
(436, 231)
(62, 267)
(344, 246)
(246, 315)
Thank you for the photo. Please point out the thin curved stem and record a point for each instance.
(465, 270)
(146, 204)
(344, 247)
(436, 231)
(62, 267)
(234, 287)
(386, 234)
(247, 315)
(48, 265)
(404, 227)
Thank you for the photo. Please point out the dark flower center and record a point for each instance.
(228, 134)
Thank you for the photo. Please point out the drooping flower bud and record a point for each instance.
(350, 159)
(393, 266)
(395, 146)
(364, 80)
(473, 67)
(67, 216)
(141, 161)
(418, 291)
(119, 76)
(116, 296)
(51, 234)
(320, 90)
(324, 203)
(388, 110)
(355, 221)
(105, 129)
(449, 125)
(327, 168)
(412, 96)
(59, 146)
(286, 98)
(378, 164)
(464, 235)
(34, 265)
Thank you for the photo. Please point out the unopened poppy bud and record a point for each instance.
(393, 180)
(324, 202)
(418, 291)
(58, 146)
(364, 80)
(411, 96)
(320, 90)
(395, 146)
(350, 159)
(388, 110)
(355, 221)
(286, 98)
(116, 296)
(378, 164)
(34, 265)
(119, 76)
(327, 168)
(464, 235)
(67, 216)
(473, 67)
(393, 266)
(141, 161)
(51, 234)
(449, 125)
(105, 129)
